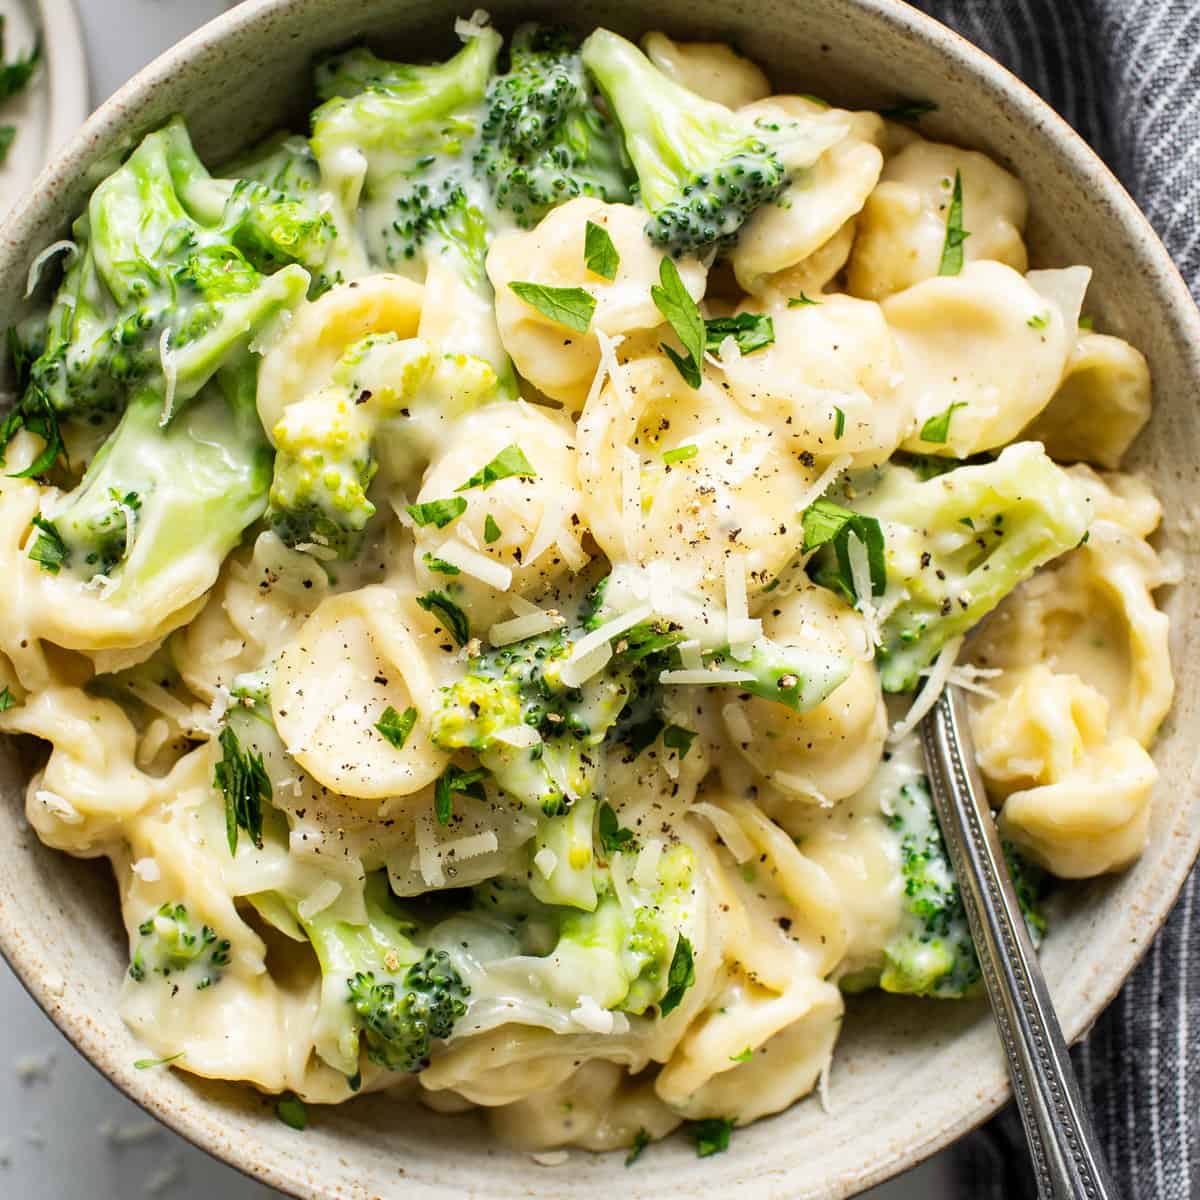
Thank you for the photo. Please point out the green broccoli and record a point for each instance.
(932, 953)
(395, 142)
(158, 509)
(380, 988)
(702, 170)
(169, 945)
(544, 140)
(160, 295)
(327, 444)
(956, 544)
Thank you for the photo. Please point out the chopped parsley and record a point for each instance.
(7, 699)
(613, 837)
(292, 1111)
(243, 780)
(751, 331)
(680, 976)
(1038, 321)
(745, 1056)
(641, 1140)
(710, 1135)
(936, 431)
(908, 111)
(801, 301)
(599, 254)
(675, 303)
(8, 134)
(144, 1064)
(676, 738)
(50, 551)
(572, 307)
(681, 454)
(450, 615)
(839, 423)
(1087, 322)
(644, 734)
(829, 524)
(15, 76)
(437, 512)
(509, 462)
(397, 726)
(439, 565)
(455, 779)
(952, 247)
(491, 531)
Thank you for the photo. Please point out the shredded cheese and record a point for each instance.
(593, 1018)
(466, 29)
(429, 861)
(319, 899)
(824, 481)
(553, 511)
(476, 564)
(593, 650)
(528, 625)
(35, 267)
(927, 697)
(799, 785)
(860, 575)
(740, 631)
(147, 870)
(728, 830)
(737, 723)
(645, 871)
(520, 736)
(690, 656)
(58, 807)
(706, 677)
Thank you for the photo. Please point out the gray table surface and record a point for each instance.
(65, 1133)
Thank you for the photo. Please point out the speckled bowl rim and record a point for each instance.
(977, 68)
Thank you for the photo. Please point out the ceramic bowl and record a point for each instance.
(907, 1078)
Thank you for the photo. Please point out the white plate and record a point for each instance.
(56, 102)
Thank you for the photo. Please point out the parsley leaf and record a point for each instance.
(7, 700)
(641, 1140)
(681, 454)
(438, 512)
(397, 726)
(645, 733)
(839, 423)
(49, 550)
(450, 615)
(455, 779)
(15, 76)
(710, 1135)
(510, 461)
(491, 531)
(1087, 322)
(675, 737)
(8, 134)
(612, 836)
(751, 331)
(936, 430)
(908, 110)
(572, 307)
(1038, 321)
(680, 976)
(144, 1064)
(440, 565)
(829, 524)
(292, 1111)
(952, 248)
(675, 303)
(801, 301)
(745, 1056)
(242, 778)
(599, 254)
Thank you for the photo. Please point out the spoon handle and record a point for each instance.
(1066, 1157)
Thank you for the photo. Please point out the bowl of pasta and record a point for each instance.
(487, 506)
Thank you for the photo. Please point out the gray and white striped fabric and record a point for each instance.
(1126, 74)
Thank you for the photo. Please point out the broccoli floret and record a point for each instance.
(160, 295)
(395, 142)
(790, 675)
(702, 170)
(169, 945)
(380, 988)
(327, 444)
(159, 508)
(957, 543)
(544, 141)
(932, 953)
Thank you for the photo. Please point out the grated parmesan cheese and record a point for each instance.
(860, 575)
(728, 830)
(527, 625)
(319, 899)
(147, 870)
(740, 631)
(927, 697)
(521, 736)
(705, 677)
(592, 1017)
(593, 650)
(645, 871)
(58, 806)
(476, 564)
(824, 481)
(468, 28)
(620, 882)
(690, 656)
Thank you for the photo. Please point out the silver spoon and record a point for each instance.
(1062, 1142)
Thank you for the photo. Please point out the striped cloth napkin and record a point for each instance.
(1126, 74)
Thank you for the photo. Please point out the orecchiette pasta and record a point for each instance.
(903, 224)
(710, 69)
